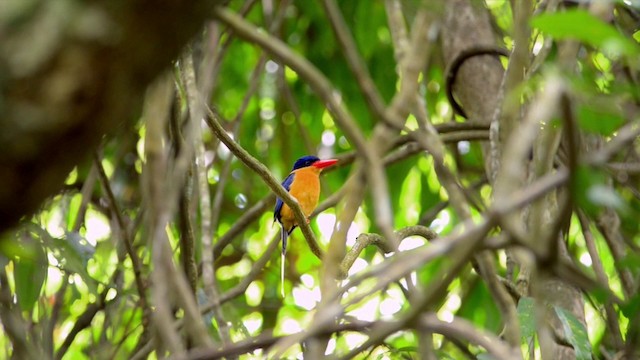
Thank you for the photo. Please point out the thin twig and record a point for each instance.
(241, 287)
(187, 237)
(84, 320)
(126, 239)
(263, 342)
(157, 105)
(465, 330)
(196, 113)
(613, 324)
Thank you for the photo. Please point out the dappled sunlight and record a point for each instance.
(97, 227)
(352, 339)
(354, 231)
(452, 304)
(368, 310)
(253, 322)
(331, 346)
(464, 147)
(54, 225)
(411, 242)
(585, 259)
(254, 293)
(441, 222)
(258, 241)
(306, 298)
(239, 269)
(290, 326)
(390, 306)
(328, 138)
(307, 280)
(326, 221)
(358, 265)
(413, 277)
(54, 278)
(271, 66)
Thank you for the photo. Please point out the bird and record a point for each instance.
(303, 183)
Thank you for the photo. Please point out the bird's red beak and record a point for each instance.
(321, 164)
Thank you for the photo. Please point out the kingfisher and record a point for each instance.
(303, 183)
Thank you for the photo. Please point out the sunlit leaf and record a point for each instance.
(575, 333)
(30, 273)
(527, 318)
(631, 308)
(72, 213)
(72, 255)
(597, 119)
(408, 209)
(579, 24)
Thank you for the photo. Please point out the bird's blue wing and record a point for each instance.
(287, 186)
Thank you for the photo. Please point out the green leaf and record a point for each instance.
(72, 255)
(592, 193)
(581, 25)
(575, 333)
(527, 318)
(74, 206)
(598, 120)
(480, 309)
(29, 274)
(631, 308)
(410, 189)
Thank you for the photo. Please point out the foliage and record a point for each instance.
(118, 263)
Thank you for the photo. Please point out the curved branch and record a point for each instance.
(365, 240)
(323, 88)
(213, 121)
(459, 328)
(126, 238)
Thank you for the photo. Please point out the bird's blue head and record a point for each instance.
(310, 160)
(304, 162)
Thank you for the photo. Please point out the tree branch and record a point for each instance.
(252, 163)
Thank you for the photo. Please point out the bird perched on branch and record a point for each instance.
(303, 183)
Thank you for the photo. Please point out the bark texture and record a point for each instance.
(478, 88)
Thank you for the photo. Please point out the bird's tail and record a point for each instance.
(284, 235)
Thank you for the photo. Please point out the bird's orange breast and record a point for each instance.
(306, 189)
